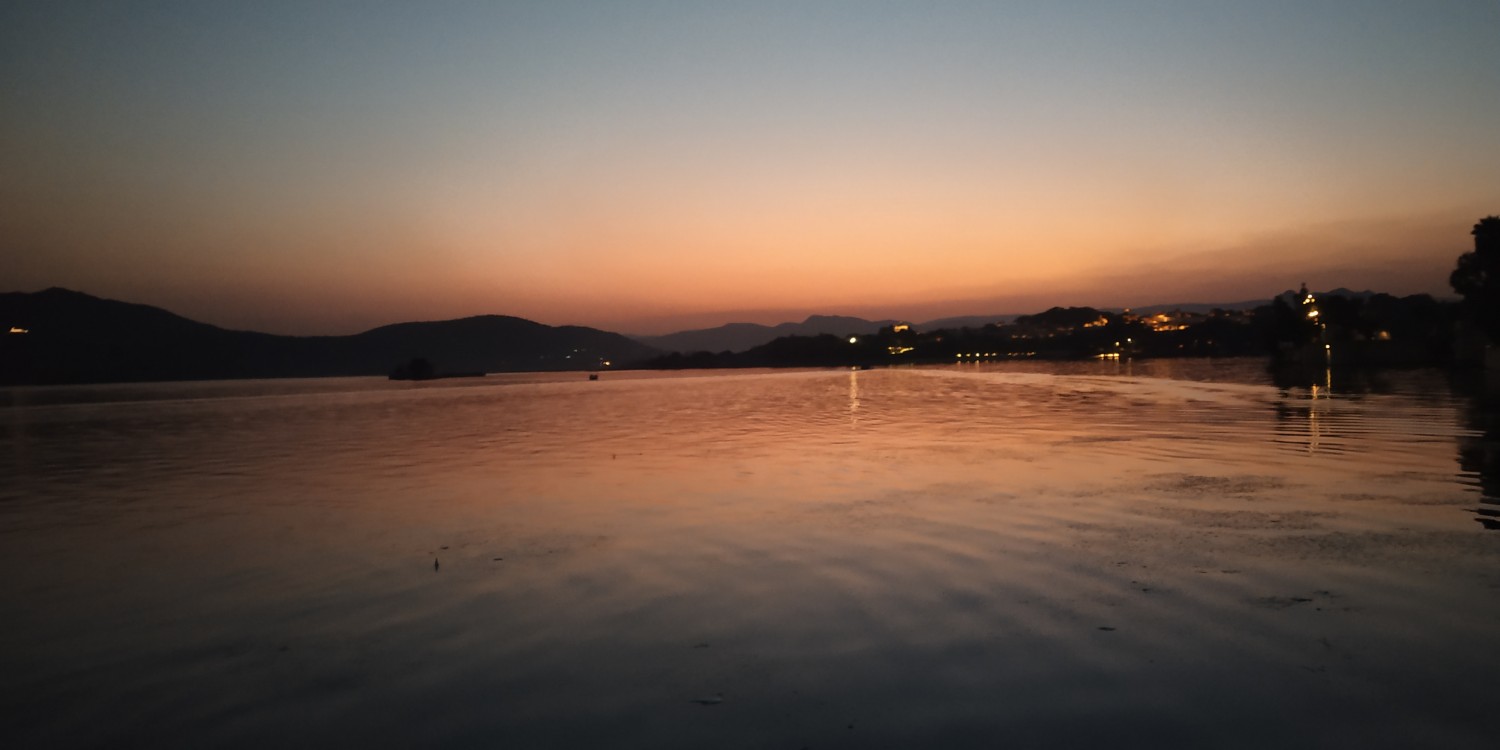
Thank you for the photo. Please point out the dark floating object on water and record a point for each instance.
(419, 368)
(498, 559)
(1105, 628)
(712, 700)
(434, 563)
(593, 376)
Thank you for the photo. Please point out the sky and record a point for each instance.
(328, 167)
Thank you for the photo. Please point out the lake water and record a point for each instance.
(1033, 555)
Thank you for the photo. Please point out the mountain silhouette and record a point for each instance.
(742, 337)
(965, 321)
(738, 337)
(63, 336)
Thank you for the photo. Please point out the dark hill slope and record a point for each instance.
(738, 337)
(72, 337)
(497, 343)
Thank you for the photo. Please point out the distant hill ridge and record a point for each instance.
(739, 337)
(63, 336)
(73, 337)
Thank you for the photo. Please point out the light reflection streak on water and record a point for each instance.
(854, 397)
(928, 554)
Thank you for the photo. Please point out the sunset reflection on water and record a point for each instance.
(958, 557)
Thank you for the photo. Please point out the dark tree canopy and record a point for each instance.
(1487, 235)
(1477, 277)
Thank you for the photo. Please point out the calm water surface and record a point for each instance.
(1148, 555)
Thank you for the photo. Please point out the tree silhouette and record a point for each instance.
(1477, 277)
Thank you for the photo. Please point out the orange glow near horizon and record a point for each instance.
(656, 277)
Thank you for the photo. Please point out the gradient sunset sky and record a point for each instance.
(307, 167)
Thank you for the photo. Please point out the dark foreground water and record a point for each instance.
(947, 557)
